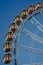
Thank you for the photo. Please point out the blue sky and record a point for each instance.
(8, 10)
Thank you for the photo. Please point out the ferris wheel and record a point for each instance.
(25, 32)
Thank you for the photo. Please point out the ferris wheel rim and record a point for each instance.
(34, 13)
(31, 15)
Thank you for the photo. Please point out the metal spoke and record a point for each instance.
(40, 63)
(27, 48)
(38, 25)
(33, 36)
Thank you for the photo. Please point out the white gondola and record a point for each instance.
(17, 19)
(9, 36)
(38, 5)
(24, 14)
(13, 27)
(7, 46)
(30, 9)
(7, 58)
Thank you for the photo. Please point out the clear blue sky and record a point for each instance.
(8, 10)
